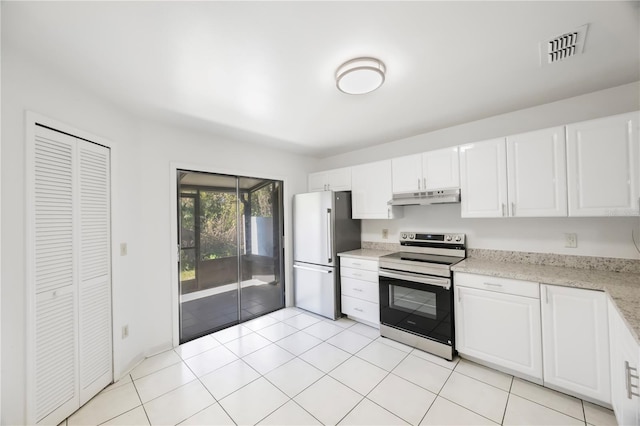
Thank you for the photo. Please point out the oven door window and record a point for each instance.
(422, 309)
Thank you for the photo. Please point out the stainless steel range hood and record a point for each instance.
(422, 198)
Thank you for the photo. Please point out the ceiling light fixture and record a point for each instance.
(359, 76)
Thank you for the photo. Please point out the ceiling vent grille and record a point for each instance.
(563, 46)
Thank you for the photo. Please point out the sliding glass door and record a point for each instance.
(230, 250)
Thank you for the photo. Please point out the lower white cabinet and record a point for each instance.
(625, 362)
(498, 321)
(575, 337)
(359, 297)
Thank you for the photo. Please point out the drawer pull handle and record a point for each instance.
(358, 289)
(358, 309)
(356, 264)
(357, 275)
(493, 284)
(629, 375)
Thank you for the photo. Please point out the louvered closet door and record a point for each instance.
(94, 269)
(55, 300)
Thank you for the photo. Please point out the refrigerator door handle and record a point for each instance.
(312, 269)
(329, 242)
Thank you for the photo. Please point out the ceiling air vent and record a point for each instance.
(563, 46)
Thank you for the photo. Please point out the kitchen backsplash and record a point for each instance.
(568, 261)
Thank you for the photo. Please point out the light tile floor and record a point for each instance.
(294, 368)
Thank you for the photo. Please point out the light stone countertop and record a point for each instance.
(622, 287)
(367, 254)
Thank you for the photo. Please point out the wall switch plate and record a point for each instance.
(123, 249)
(125, 331)
(385, 234)
(571, 240)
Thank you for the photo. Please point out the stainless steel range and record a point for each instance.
(416, 291)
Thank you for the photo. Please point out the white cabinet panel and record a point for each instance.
(625, 362)
(501, 329)
(603, 164)
(359, 289)
(576, 341)
(361, 309)
(407, 173)
(330, 180)
(536, 164)
(483, 184)
(441, 169)
(371, 190)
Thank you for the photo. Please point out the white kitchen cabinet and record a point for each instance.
(625, 362)
(371, 190)
(483, 182)
(330, 180)
(497, 322)
(536, 173)
(603, 163)
(575, 338)
(428, 171)
(360, 298)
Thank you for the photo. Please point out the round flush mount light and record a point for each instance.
(359, 76)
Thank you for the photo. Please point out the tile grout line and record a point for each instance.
(141, 403)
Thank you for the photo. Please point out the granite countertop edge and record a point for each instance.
(367, 254)
(622, 287)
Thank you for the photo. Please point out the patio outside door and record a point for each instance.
(230, 250)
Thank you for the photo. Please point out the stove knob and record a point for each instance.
(458, 238)
(412, 236)
(447, 237)
(404, 236)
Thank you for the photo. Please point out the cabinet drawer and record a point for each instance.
(500, 285)
(362, 309)
(359, 274)
(352, 262)
(365, 290)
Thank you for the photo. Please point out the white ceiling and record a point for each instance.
(264, 71)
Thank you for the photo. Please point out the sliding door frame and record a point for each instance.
(174, 248)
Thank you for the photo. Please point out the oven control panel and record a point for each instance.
(425, 237)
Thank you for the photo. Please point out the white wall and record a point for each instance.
(606, 237)
(142, 293)
(163, 146)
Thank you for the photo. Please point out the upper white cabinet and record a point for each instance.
(371, 190)
(520, 176)
(575, 341)
(428, 171)
(603, 163)
(625, 362)
(483, 183)
(536, 173)
(331, 180)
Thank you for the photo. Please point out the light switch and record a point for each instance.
(123, 249)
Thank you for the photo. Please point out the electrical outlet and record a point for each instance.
(385, 234)
(125, 331)
(123, 249)
(571, 240)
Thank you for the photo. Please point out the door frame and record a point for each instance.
(31, 120)
(174, 246)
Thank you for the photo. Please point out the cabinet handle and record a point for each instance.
(513, 209)
(459, 297)
(355, 274)
(493, 285)
(546, 295)
(358, 289)
(628, 376)
(358, 309)
(424, 183)
(418, 184)
(503, 208)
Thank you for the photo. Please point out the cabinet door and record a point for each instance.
(371, 190)
(625, 354)
(483, 332)
(575, 339)
(317, 182)
(407, 174)
(536, 165)
(602, 166)
(339, 179)
(441, 169)
(483, 179)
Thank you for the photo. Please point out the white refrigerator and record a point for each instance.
(322, 228)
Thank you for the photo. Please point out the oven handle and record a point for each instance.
(415, 278)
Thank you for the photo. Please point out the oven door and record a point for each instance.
(420, 304)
